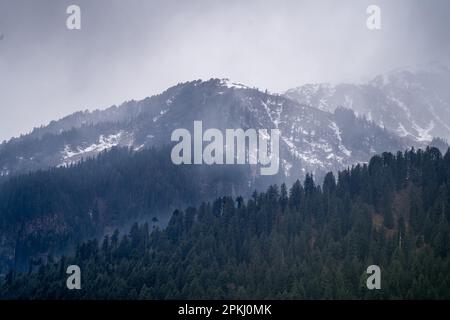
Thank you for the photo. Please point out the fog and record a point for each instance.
(133, 49)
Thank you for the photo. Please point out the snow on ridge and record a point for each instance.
(402, 132)
(337, 133)
(424, 133)
(311, 92)
(336, 130)
(401, 104)
(344, 150)
(104, 143)
(229, 84)
(308, 157)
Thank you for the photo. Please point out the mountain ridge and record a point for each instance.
(312, 139)
(413, 104)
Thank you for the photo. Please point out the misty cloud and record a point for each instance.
(129, 50)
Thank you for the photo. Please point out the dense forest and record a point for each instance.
(47, 212)
(311, 241)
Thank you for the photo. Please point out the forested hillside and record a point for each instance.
(310, 241)
(47, 212)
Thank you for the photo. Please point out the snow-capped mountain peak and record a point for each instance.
(414, 104)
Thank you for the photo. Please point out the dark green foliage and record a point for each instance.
(47, 212)
(309, 242)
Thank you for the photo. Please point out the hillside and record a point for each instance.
(48, 212)
(311, 242)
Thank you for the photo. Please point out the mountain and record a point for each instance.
(312, 140)
(414, 104)
(311, 242)
(92, 172)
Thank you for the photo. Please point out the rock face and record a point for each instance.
(414, 104)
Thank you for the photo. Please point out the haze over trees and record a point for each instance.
(311, 241)
(47, 212)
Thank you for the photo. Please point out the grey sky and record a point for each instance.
(133, 49)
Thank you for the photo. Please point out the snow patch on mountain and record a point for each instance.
(424, 133)
(227, 83)
(402, 131)
(70, 156)
(336, 130)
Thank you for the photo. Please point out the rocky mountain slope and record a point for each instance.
(312, 140)
(414, 104)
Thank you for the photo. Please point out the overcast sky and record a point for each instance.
(133, 49)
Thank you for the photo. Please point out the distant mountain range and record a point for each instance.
(316, 134)
(414, 104)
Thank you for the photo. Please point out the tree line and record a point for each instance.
(309, 242)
